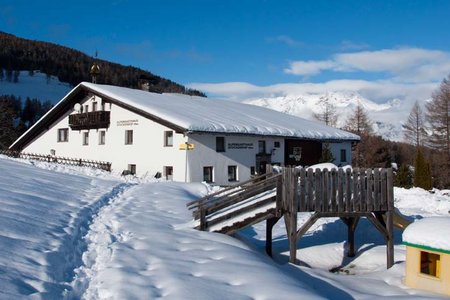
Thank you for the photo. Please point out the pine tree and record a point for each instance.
(328, 115)
(404, 177)
(414, 128)
(7, 115)
(438, 116)
(422, 172)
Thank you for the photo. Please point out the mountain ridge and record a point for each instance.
(73, 66)
(387, 117)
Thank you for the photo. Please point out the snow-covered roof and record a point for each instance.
(209, 115)
(430, 232)
(195, 114)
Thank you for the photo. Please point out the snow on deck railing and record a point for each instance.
(102, 165)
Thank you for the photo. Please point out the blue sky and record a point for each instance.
(248, 48)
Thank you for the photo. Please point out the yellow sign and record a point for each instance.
(189, 146)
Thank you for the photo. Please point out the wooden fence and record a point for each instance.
(59, 160)
(357, 190)
(346, 194)
(235, 201)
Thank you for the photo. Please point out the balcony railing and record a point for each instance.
(89, 120)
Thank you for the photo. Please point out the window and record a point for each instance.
(343, 155)
(220, 144)
(168, 172)
(252, 170)
(168, 138)
(232, 173)
(86, 108)
(128, 137)
(94, 106)
(276, 144)
(101, 137)
(103, 106)
(208, 174)
(132, 169)
(261, 146)
(85, 138)
(430, 264)
(63, 134)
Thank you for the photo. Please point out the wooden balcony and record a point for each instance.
(89, 120)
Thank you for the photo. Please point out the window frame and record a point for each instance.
(85, 138)
(211, 174)
(168, 175)
(63, 135)
(168, 138)
(234, 173)
(129, 139)
(102, 137)
(433, 267)
(262, 147)
(220, 144)
(132, 169)
(343, 154)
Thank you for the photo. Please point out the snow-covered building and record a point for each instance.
(184, 138)
(428, 254)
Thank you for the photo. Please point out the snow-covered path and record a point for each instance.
(140, 247)
(44, 216)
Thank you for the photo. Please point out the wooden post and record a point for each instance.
(202, 218)
(341, 182)
(390, 219)
(290, 215)
(269, 226)
(351, 223)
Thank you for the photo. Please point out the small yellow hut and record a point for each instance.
(428, 254)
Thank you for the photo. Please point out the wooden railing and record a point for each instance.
(89, 120)
(346, 194)
(235, 201)
(59, 160)
(337, 190)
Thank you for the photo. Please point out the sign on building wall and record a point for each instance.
(240, 146)
(127, 122)
(189, 146)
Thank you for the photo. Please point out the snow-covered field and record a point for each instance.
(39, 86)
(77, 233)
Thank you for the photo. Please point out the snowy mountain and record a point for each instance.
(38, 85)
(387, 117)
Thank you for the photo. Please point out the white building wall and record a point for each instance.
(240, 151)
(150, 155)
(147, 152)
(336, 151)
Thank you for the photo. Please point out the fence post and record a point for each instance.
(202, 218)
(390, 219)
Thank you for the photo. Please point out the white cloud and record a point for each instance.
(378, 91)
(311, 67)
(403, 64)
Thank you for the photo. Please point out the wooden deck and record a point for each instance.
(347, 194)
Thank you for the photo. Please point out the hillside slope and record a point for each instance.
(73, 66)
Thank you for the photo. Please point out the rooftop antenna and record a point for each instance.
(95, 69)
